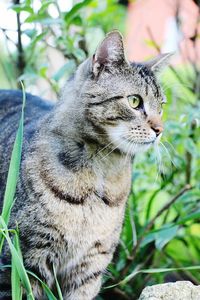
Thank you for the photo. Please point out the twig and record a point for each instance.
(167, 205)
(150, 225)
(21, 58)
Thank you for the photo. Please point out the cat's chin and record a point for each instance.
(135, 148)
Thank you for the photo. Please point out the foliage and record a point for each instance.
(73, 35)
(160, 239)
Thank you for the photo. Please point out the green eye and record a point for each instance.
(135, 101)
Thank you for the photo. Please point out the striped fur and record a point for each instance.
(76, 171)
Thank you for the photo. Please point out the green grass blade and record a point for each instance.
(17, 261)
(151, 271)
(57, 285)
(190, 217)
(13, 171)
(15, 278)
(47, 290)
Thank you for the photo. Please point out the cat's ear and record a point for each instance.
(159, 62)
(109, 53)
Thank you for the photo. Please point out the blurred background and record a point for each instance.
(42, 42)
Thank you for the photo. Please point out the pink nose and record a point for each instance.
(158, 129)
(156, 124)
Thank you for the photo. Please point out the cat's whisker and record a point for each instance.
(168, 154)
(104, 148)
(159, 161)
(129, 151)
(116, 134)
(112, 150)
(171, 146)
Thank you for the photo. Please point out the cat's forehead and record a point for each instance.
(136, 79)
(148, 81)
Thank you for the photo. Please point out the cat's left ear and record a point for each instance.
(160, 62)
(109, 53)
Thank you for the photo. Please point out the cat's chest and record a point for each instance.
(101, 208)
(115, 187)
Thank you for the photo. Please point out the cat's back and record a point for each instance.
(10, 113)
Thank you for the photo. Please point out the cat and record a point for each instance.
(75, 174)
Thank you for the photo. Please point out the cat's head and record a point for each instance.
(122, 101)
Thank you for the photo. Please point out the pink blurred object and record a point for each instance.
(156, 20)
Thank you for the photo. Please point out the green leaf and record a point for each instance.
(47, 290)
(17, 261)
(162, 237)
(151, 271)
(190, 217)
(57, 285)
(20, 7)
(191, 147)
(75, 9)
(151, 43)
(34, 18)
(15, 278)
(67, 69)
(31, 33)
(14, 166)
(45, 5)
(80, 54)
(190, 196)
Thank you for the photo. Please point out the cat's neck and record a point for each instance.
(70, 168)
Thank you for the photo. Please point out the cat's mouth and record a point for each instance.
(146, 143)
(141, 143)
(135, 146)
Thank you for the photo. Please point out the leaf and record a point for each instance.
(57, 285)
(68, 69)
(47, 290)
(43, 70)
(69, 15)
(17, 261)
(15, 278)
(161, 236)
(151, 271)
(19, 8)
(45, 5)
(191, 147)
(190, 196)
(164, 236)
(80, 54)
(34, 18)
(14, 166)
(37, 38)
(30, 32)
(151, 44)
(190, 217)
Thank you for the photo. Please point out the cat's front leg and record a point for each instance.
(83, 281)
(87, 290)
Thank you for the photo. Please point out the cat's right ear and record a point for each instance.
(109, 53)
(160, 62)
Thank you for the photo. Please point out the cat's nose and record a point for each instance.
(157, 129)
(156, 124)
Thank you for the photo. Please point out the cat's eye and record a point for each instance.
(135, 101)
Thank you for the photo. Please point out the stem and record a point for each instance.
(21, 58)
(150, 225)
(189, 157)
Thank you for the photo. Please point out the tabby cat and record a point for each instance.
(75, 173)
